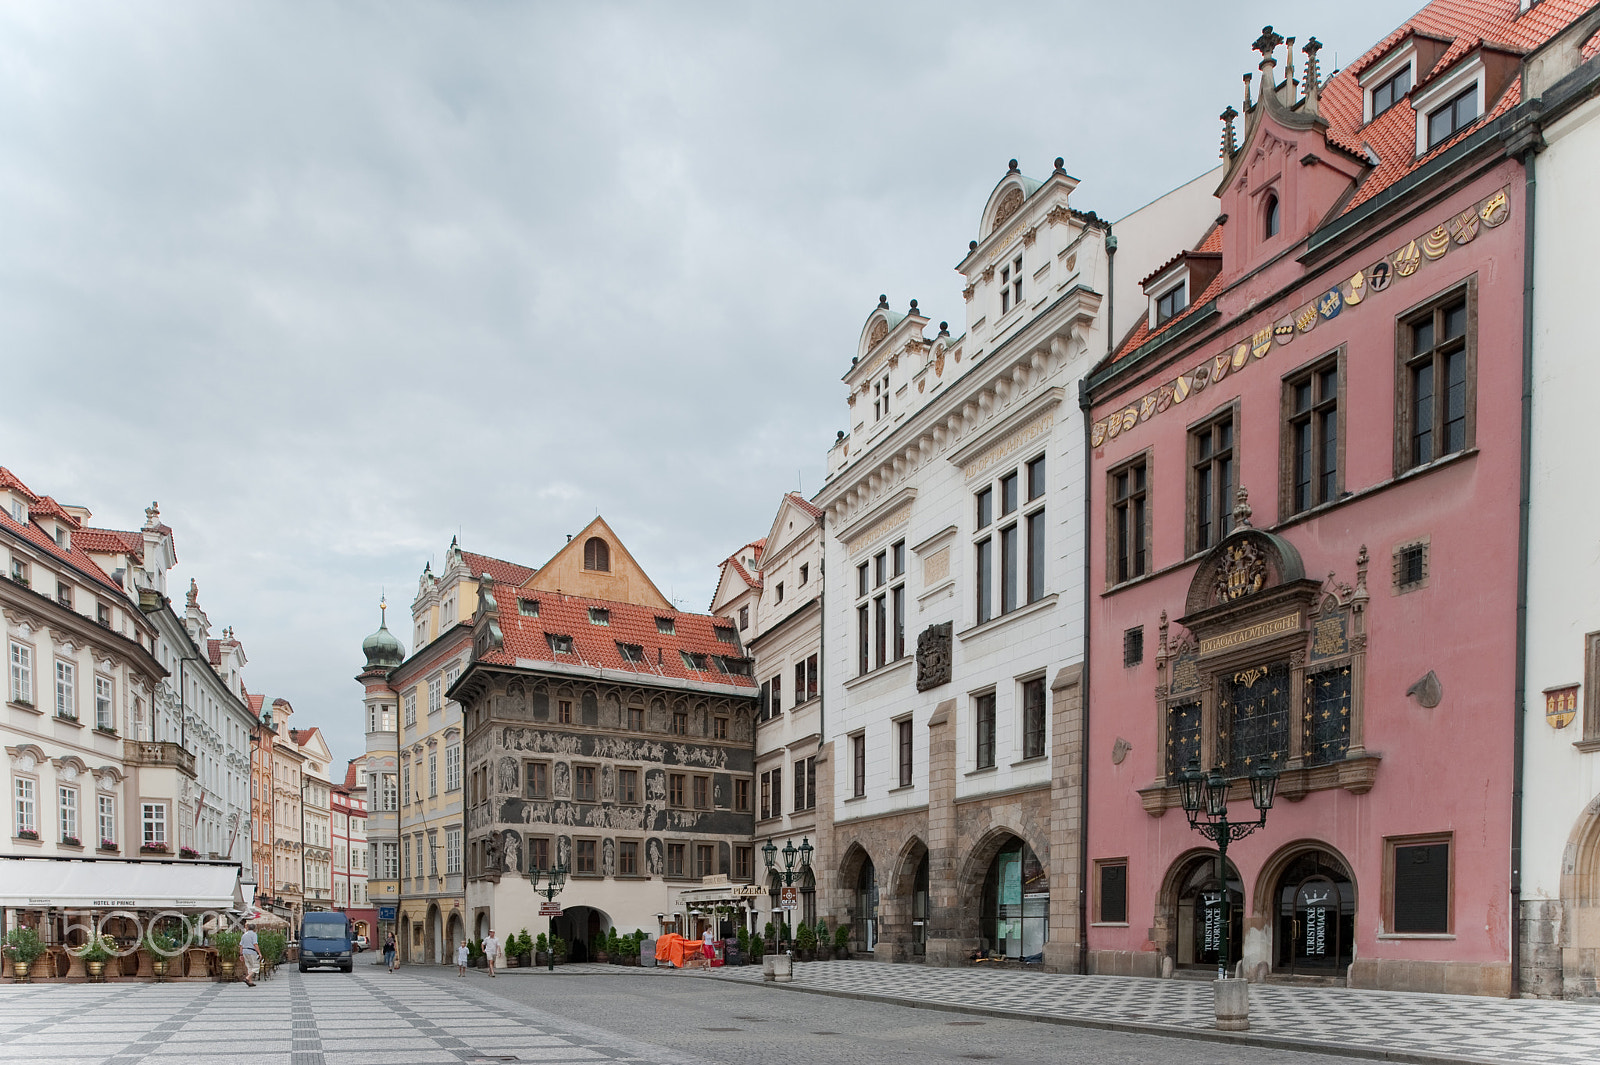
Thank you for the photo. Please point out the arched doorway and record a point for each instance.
(405, 938)
(482, 923)
(865, 932)
(1314, 915)
(434, 932)
(919, 909)
(1014, 921)
(580, 926)
(1197, 899)
(455, 932)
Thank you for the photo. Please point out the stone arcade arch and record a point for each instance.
(433, 935)
(858, 881)
(1579, 939)
(1181, 926)
(904, 906)
(1303, 911)
(975, 884)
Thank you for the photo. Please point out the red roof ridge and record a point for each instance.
(804, 504)
(498, 568)
(13, 482)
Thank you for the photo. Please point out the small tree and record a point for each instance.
(841, 938)
(541, 945)
(743, 936)
(558, 947)
(806, 938)
(24, 945)
(227, 944)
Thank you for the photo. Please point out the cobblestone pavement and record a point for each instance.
(1395, 1025)
(369, 1016)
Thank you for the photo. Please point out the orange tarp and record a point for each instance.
(676, 949)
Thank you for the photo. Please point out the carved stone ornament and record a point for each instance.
(880, 329)
(1243, 571)
(1010, 204)
(1428, 690)
(933, 656)
(1119, 750)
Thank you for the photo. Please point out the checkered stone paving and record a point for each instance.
(369, 1016)
(1384, 1024)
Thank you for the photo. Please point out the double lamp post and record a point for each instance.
(789, 872)
(555, 880)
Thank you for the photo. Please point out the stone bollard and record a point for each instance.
(1233, 1005)
(783, 968)
(767, 962)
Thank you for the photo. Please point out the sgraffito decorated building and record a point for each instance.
(1305, 468)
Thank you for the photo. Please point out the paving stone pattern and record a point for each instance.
(293, 1019)
(1466, 1028)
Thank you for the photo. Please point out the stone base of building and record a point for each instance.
(1124, 963)
(1440, 977)
(1560, 950)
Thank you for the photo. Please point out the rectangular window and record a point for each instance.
(983, 716)
(563, 711)
(858, 762)
(702, 793)
(1436, 381)
(106, 806)
(744, 863)
(1255, 723)
(628, 787)
(528, 608)
(1311, 436)
(1008, 568)
(985, 501)
(104, 705)
(799, 786)
(390, 858)
(628, 858)
(799, 683)
(435, 690)
(1036, 484)
(1133, 646)
(1130, 522)
(583, 783)
(66, 695)
(1389, 92)
(675, 859)
(27, 806)
(1035, 526)
(805, 573)
(863, 639)
(810, 773)
(764, 706)
(433, 851)
(636, 718)
(811, 677)
(744, 618)
(766, 795)
(1172, 302)
(69, 814)
(407, 866)
(21, 674)
(903, 740)
(983, 591)
(153, 819)
(705, 860)
(539, 852)
(433, 774)
(536, 780)
(63, 590)
(1111, 896)
(741, 796)
(411, 707)
(880, 569)
(1419, 885)
(584, 855)
(452, 851)
(675, 783)
(452, 767)
(861, 580)
(1033, 718)
(1446, 121)
(1211, 482)
(880, 622)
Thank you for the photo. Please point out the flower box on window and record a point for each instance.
(187, 852)
(106, 730)
(71, 841)
(27, 833)
(154, 848)
(108, 844)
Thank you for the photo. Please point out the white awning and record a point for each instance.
(109, 884)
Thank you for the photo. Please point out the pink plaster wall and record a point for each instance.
(1446, 769)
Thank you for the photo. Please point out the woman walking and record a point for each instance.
(388, 951)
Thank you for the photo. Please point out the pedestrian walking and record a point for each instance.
(709, 942)
(461, 959)
(250, 951)
(388, 951)
(491, 950)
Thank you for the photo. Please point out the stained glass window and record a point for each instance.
(1183, 736)
(1255, 718)
(1327, 716)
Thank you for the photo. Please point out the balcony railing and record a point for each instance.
(158, 753)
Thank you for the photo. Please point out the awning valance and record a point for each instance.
(112, 884)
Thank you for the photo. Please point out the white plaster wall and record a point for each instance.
(1154, 233)
(1564, 527)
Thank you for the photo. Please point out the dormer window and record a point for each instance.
(1011, 285)
(1172, 302)
(599, 616)
(528, 608)
(1271, 218)
(1389, 92)
(61, 538)
(665, 625)
(561, 645)
(1452, 117)
(694, 661)
(19, 512)
(632, 653)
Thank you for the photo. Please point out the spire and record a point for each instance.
(1228, 144)
(1313, 74)
(1247, 103)
(1287, 97)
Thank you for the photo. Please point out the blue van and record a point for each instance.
(325, 939)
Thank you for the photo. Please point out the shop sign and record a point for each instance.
(387, 913)
(790, 899)
(1212, 932)
(549, 909)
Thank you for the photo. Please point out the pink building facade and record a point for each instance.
(1345, 345)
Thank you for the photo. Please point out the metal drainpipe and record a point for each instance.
(1524, 504)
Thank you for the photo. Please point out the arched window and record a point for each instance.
(1270, 218)
(596, 555)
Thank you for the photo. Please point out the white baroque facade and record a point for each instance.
(954, 623)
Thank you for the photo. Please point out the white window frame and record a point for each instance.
(1180, 276)
(1442, 91)
(105, 703)
(411, 708)
(452, 851)
(106, 818)
(21, 658)
(433, 774)
(67, 805)
(25, 802)
(1382, 72)
(435, 688)
(391, 861)
(452, 767)
(66, 676)
(153, 824)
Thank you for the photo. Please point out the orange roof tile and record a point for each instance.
(502, 571)
(76, 557)
(804, 504)
(11, 481)
(595, 645)
(110, 541)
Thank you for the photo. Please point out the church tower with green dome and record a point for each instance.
(383, 652)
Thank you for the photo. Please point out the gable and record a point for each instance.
(792, 522)
(622, 581)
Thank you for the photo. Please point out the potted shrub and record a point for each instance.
(24, 947)
(841, 941)
(95, 953)
(558, 948)
(805, 941)
(273, 945)
(541, 950)
(475, 955)
(162, 947)
(769, 937)
(227, 944)
(824, 941)
(597, 949)
(743, 938)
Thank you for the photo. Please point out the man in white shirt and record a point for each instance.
(491, 950)
(250, 951)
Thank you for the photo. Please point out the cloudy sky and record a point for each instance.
(336, 282)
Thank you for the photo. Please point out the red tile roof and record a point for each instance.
(595, 645)
(350, 776)
(77, 558)
(11, 481)
(214, 651)
(804, 504)
(302, 736)
(110, 542)
(47, 507)
(502, 571)
(1209, 244)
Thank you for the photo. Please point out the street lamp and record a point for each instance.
(555, 880)
(790, 851)
(1208, 794)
